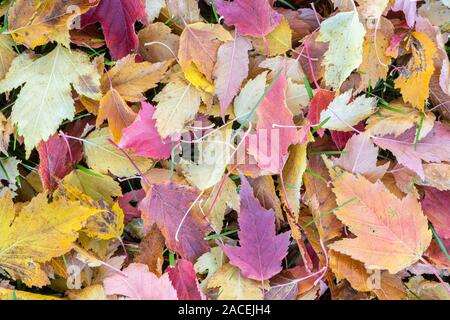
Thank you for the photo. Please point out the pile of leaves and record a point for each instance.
(214, 149)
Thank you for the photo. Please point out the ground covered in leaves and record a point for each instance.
(246, 149)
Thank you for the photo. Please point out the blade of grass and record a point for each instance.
(439, 242)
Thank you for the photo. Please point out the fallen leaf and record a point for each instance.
(50, 78)
(415, 77)
(230, 70)
(345, 52)
(381, 234)
(40, 232)
(140, 284)
(261, 251)
(262, 20)
(171, 207)
(117, 18)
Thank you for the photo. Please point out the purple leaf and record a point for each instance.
(435, 147)
(184, 280)
(260, 252)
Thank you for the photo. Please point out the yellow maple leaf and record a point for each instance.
(96, 192)
(415, 79)
(45, 99)
(391, 233)
(40, 232)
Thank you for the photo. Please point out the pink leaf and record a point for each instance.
(230, 70)
(254, 18)
(184, 280)
(169, 206)
(275, 129)
(260, 252)
(436, 206)
(140, 284)
(409, 8)
(117, 18)
(143, 137)
(361, 158)
(435, 147)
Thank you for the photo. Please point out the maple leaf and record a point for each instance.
(140, 284)
(415, 77)
(131, 79)
(184, 280)
(58, 156)
(262, 20)
(345, 35)
(40, 232)
(293, 178)
(230, 71)
(117, 18)
(34, 23)
(385, 236)
(261, 251)
(50, 78)
(434, 147)
(143, 137)
(171, 207)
